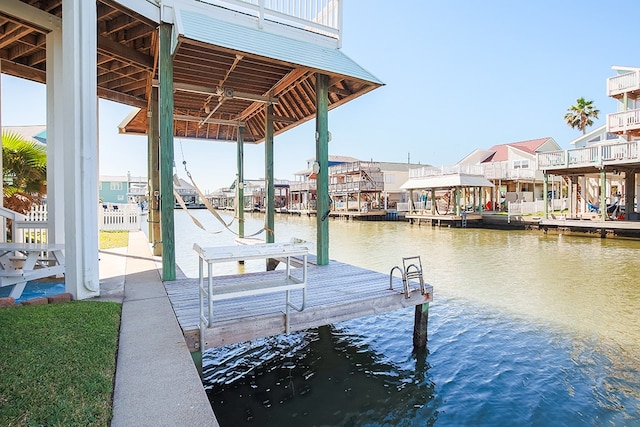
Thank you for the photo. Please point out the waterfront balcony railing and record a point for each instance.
(622, 83)
(508, 173)
(322, 17)
(624, 121)
(353, 167)
(355, 186)
(597, 155)
(427, 171)
(303, 186)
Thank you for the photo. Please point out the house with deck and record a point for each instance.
(229, 71)
(513, 170)
(601, 171)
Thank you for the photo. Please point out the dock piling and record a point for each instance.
(421, 321)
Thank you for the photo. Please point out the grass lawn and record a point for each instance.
(113, 239)
(57, 363)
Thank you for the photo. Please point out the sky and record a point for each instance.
(459, 75)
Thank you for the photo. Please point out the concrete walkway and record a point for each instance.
(157, 383)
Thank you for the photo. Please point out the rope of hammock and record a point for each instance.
(207, 204)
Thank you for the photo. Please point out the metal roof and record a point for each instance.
(205, 28)
(446, 181)
(277, 62)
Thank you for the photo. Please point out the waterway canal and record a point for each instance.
(525, 329)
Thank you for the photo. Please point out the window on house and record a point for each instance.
(521, 164)
(116, 186)
(389, 178)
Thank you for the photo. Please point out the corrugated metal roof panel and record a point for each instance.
(447, 181)
(203, 28)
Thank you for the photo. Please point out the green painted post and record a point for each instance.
(154, 175)
(603, 194)
(240, 182)
(545, 191)
(322, 157)
(167, 200)
(480, 206)
(420, 324)
(268, 168)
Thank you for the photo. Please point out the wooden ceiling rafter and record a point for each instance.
(127, 66)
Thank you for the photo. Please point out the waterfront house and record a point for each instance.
(123, 189)
(513, 170)
(302, 190)
(601, 171)
(226, 70)
(113, 189)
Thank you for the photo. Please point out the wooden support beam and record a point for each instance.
(18, 70)
(196, 119)
(322, 160)
(124, 54)
(268, 176)
(603, 194)
(167, 200)
(153, 125)
(38, 18)
(240, 183)
(282, 119)
(122, 98)
(227, 92)
(420, 324)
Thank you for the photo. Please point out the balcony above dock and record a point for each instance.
(627, 82)
(624, 123)
(591, 159)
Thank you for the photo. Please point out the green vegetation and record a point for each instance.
(24, 172)
(58, 363)
(114, 239)
(581, 115)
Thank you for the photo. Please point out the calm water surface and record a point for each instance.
(525, 329)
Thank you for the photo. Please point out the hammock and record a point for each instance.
(208, 205)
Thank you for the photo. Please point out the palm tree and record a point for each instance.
(24, 172)
(581, 115)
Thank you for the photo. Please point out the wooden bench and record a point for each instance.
(286, 282)
(22, 262)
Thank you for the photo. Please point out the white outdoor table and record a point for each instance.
(274, 283)
(22, 262)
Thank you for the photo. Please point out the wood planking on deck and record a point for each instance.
(335, 292)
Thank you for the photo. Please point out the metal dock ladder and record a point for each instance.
(411, 270)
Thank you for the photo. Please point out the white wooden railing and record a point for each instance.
(318, 16)
(427, 171)
(605, 154)
(623, 83)
(623, 121)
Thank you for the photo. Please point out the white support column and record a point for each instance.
(3, 222)
(55, 140)
(583, 194)
(80, 140)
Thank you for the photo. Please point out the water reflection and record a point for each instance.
(525, 329)
(330, 379)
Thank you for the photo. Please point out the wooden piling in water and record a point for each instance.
(420, 323)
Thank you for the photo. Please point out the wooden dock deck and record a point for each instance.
(335, 292)
(472, 219)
